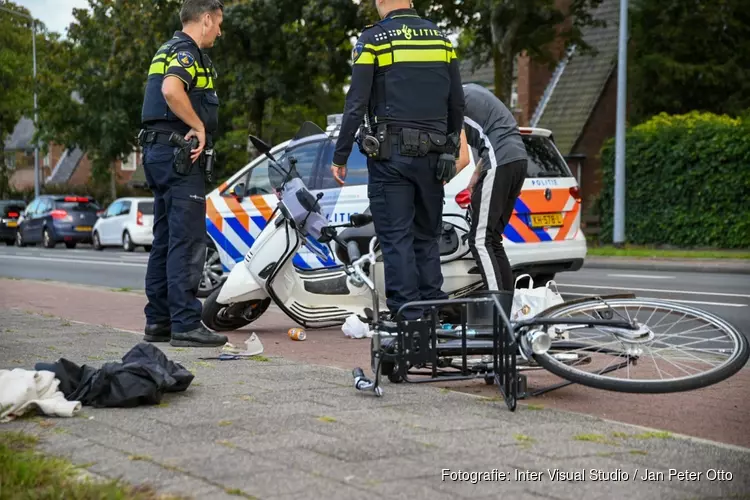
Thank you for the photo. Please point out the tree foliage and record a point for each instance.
(690, 55)
(94, 89)
(283, 59)
(15, 78)
(497, 31)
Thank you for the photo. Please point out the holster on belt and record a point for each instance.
(182, 163)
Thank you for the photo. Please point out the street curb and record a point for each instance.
(675, 435)
(697, 265)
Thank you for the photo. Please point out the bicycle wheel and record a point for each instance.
(676, 348)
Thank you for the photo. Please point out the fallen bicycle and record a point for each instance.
(618, 343)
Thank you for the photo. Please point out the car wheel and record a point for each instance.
(47, 239)
(127, 243)
(213, 273)
(147, 248)
(97, 242)
(10, 243)
(19, 239)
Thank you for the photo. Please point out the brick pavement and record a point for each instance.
(717, 413)
(282, 429)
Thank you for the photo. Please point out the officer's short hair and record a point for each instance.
(192, 10)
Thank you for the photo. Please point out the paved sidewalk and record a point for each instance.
(718, 413)
(281, 429)
(730, 266)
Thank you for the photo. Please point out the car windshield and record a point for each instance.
(544, 159)
(304, 148)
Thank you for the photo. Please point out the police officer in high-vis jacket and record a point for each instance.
(406, 84)
(180, 106)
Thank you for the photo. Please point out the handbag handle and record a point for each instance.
(553, 284)
(531, 280)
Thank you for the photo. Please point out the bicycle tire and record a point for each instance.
(735, 363)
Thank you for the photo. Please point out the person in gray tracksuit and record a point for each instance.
(491, 129)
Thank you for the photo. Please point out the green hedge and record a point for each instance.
(687, 182)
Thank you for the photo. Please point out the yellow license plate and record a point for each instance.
(546, 220)
(83, 228)
(12, 223)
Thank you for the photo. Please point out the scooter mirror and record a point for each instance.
(258, 144)
(359, 220)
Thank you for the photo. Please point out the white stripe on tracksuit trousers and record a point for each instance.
(487, 262)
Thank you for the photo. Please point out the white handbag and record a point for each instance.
(528, 302)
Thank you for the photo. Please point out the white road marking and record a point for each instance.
(642, 276)
(723, 304)
(73, 261)
(687, 292)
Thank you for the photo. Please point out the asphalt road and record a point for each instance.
(727, 295)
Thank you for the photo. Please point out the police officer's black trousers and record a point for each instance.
(492, 203)
(406, 201)
(178, 252)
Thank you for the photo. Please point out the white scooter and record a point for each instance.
(322, 297)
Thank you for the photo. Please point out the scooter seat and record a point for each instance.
(361, 235)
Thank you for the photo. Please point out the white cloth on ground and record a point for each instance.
(22, 391)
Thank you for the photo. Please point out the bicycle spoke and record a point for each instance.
(683, 343)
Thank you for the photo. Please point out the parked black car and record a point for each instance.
(10, 211)
(51, 219)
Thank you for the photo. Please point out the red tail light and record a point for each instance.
(77, 199)
(59, 214)
(13, 214)
(463, 198)
(139, 218)
(576, 193)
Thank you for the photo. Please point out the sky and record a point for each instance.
(55, 14)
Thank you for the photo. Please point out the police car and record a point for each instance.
(543, 237)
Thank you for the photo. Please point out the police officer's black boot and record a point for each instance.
(160, 332)
(200, 337)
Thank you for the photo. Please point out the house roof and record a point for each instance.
(571, 98)
(22, 136)
(138, 177)
(484, 75)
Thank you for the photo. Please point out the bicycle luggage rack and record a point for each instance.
(400, 348)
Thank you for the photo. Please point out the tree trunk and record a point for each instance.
(113, 182)
(503, 46)
(4, 176)
(503, 65)
(257, 112)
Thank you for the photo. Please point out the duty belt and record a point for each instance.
(154, 136)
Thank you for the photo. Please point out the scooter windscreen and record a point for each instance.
(296, 201)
